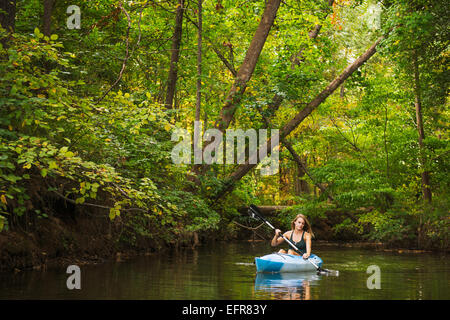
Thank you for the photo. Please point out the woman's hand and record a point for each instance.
(275, 241)
(305, 255)
(277, 238)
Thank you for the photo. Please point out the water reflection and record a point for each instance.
(287, 286)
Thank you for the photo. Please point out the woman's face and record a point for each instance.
(299, 223)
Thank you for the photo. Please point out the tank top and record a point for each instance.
(301, 245)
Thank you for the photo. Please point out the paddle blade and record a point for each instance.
(328, 272)
(254, 212)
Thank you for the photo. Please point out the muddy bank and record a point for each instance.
(377, 246)
(56, 242)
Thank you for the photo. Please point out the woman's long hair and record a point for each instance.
(306, 227)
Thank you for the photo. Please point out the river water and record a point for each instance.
(225, 271)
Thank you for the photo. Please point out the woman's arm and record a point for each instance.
(277, 239)
(308, 245)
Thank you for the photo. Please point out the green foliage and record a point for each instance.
(311, 209)
(198, 216)
(386, 227)
(102, 155)
(347, 229)
(436, 224)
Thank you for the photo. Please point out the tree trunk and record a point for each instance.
(386, 151)
(199, 63)
(301, 172)
(243, 169)
(199, 72)
(7, 19)
(176, 42)
(303, 187)
(265, 210)
(219, 54)
(197, 131)
(47, 17)
(425, 175)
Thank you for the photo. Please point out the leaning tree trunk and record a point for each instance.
(176, 43)
(243, 169)
(248, 65)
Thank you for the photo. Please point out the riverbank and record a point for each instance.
(58, 242)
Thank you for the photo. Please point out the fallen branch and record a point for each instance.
(95, 205)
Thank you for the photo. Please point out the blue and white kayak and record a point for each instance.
(280, 262)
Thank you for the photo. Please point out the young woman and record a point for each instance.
(300, 236)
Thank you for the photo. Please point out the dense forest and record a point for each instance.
(92, 94)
